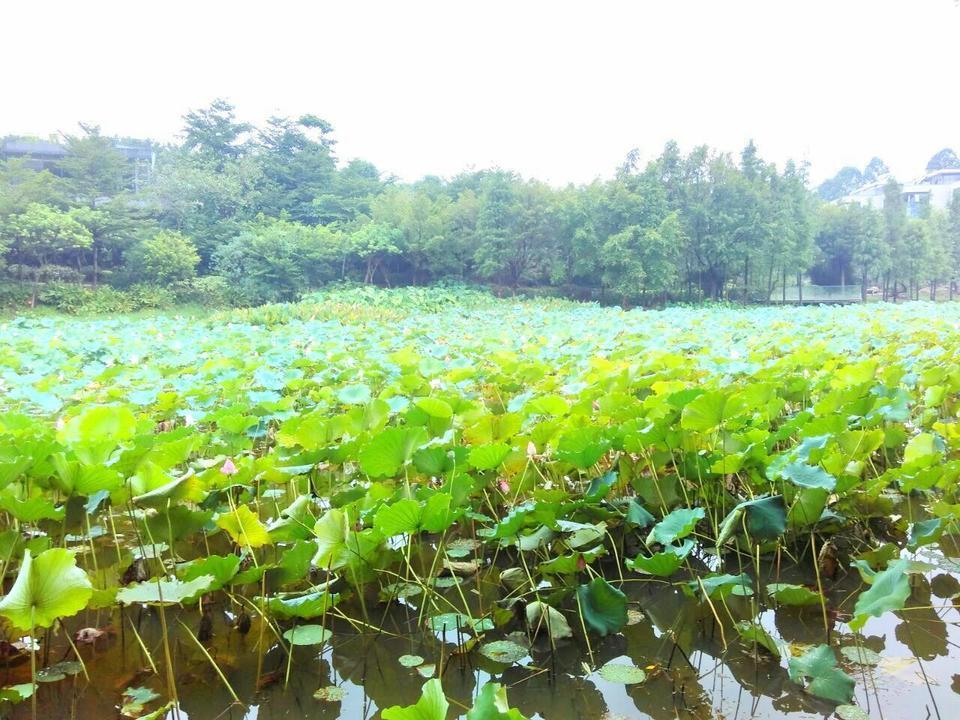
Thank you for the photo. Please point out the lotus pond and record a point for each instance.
(400, 505)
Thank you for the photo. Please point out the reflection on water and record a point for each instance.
(677, 639)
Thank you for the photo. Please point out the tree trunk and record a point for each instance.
(799, 288)
(746, 278)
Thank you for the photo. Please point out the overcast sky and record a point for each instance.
(555, 90)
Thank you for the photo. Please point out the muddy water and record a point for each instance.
(675, 638)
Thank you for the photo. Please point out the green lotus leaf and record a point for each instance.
(48, 587)
(662, 564)
(491, 704)
(603, 606)
(165, 592)
(307, 635)
(622, 674)
(818, 673)
(387, 452)
(487, 457)
(889, 591)
(432, 705)
(675, 526)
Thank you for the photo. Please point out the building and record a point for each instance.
(46, 155)
(37, 154)
(935, 189)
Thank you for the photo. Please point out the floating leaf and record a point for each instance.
(851, 712)
(817, 671)
(622, 673)
(307, 635)
(310, 605)
(410, 661)
(792, 595)
(59, 671)
(330, 693)
(504, 651)
(135, 698)
(860, 655)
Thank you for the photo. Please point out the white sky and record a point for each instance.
(555, 90)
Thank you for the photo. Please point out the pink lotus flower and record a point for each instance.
(504, 486)
(228, 467)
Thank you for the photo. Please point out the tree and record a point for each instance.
(42, 236)
(641, 261)
(496, 222)
(166, 257)
(353, 188)
(422, 220)
(875, 170)
(297, 166)
(277, 260)
(214, 133)
(94, 169)
(842, 184)
(946, 159)
(850, 245)
(20, 186)
(114, 226)
(895, 237)
(209, 202)
(953, 240)
(374, 243)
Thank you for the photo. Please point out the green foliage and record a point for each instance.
(47, 587)
(432, 705)
(277, 260)
(817, 670)
(889, 591)
(164, 258)
(491, 704)
(319, 462)
(603, 606)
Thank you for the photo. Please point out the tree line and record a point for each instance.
(260, 214)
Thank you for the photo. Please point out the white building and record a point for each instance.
(935, 189)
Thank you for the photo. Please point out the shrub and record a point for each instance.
(276, 260)
(152, 297)
(166, 257)
(209, 291)
(13, 295)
